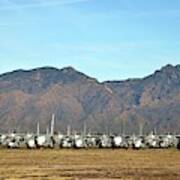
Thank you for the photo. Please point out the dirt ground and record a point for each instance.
(89, 164)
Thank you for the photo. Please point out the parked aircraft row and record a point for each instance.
(86, 140)
(33, 141)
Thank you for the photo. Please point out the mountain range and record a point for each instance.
(129, 106)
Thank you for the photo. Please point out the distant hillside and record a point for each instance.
(27, 97)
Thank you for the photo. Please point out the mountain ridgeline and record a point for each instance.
(151, 103)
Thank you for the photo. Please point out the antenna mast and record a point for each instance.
(84, 129)
(68, 130)
(38, 129)
(52, 125)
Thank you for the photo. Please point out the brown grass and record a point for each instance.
(89, 164)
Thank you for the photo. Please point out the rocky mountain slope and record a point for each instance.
(27, 97)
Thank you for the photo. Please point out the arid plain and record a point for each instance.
(89, 164)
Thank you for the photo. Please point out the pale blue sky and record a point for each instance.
(106, 39)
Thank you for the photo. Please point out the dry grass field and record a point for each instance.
(89, 164)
